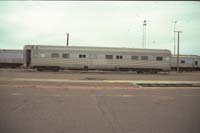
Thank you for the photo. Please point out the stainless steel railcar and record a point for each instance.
(11, 58)
(44, 57)
(186, 62)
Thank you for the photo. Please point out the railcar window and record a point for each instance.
(93, 56)
(182, 62)
(42, 55)
(65, 55)
(134, 57)
(159, 58)
(167, 58)
(109, 56)
(144, 57)
(119, 57)
(55, 55)
(82, 56)
(196, 62)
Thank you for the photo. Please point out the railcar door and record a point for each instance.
(28, 58)
(195, 63)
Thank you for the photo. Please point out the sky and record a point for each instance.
(100, 23)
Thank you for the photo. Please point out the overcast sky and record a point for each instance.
(100, 23)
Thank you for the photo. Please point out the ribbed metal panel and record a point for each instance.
(189, 61)
(11, 56)
(98, 49)
(41, 56)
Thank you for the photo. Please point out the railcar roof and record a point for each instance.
(186, 56)
(11, 50)
(97, 48)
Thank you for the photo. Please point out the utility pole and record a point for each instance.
(174, 37)
(178, 52)
(67, 43)
(144, 34)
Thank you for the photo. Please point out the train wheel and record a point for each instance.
(40, 69)
(139, 72)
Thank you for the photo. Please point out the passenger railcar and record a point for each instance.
(186, 62)
(44, 57)
(11, 58)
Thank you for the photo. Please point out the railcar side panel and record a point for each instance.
(98, 59)
(11, 58)
(186, 62)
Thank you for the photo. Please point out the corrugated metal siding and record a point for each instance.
(11, 56)
(100, 49)
(43, 58)
(189, 61)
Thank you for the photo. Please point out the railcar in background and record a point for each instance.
(186, 62)
(11, 58)
(43, 57)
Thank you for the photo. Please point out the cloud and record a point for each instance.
(112, 23)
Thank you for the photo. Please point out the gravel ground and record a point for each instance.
(96, 75)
